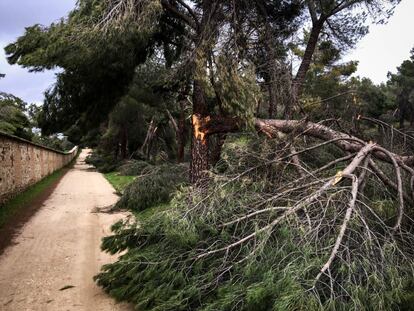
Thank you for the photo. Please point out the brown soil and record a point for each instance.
(55, 254)
(12, 228)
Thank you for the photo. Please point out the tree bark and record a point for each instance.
(215, 153)
(124, 143)
(179, 128)
(270, 60)
(146, 146)
(181, 132)
(344, 141)
(271, 72)
(299, 79)
(272, 127)
(199, 141)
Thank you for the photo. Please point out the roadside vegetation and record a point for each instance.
(143, 185)
(253, 185)
(12, 207)
(154, 187)
(20, 119)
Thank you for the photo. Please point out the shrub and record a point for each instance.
(135, 168)
(103, 163)
(154, 187)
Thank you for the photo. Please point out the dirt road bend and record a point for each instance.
(51, 263)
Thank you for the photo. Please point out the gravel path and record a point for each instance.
(59, 247)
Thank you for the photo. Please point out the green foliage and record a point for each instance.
(156, 185)
(403, 86)
(13, 118)
(125, 128)
(377, 100)
(331, 91)
(104, 163)
(237, 88)
(96, 72)
(19, 119)
(54, 142)
(327, 91)
(160, 270)
(129, 119)
(166, 264)
(143, 15)
(99, 57)
(135, 168)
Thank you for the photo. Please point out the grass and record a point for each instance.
(119, 182)
(11, 207)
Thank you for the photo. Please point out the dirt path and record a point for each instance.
(60, 247)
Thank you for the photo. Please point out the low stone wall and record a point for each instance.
(23, 163)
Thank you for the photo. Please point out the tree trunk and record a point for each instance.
(298, 81)
(215, 153)
(402, 117)
(270, 60)
(146, 146)
(181, 135)
(179, 128)
(272, 73)
(124, 143)
(199, 141)
(272, 128)
(272, 100)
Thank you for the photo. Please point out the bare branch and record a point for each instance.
(190, 11)
(344, 226)
(185, 18)
(399, 186)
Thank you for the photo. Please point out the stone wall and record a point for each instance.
(23, 163)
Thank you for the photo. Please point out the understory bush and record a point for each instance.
(155, 185)
(104, 163)
(134, 168)
(261, 236)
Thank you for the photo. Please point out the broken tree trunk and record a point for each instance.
(272, 127)
(344, 141)
(200, 141)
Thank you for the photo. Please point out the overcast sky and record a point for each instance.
(386, 46)
(382, 50)
(15, 15)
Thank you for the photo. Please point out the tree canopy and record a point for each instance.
(13, 117)
(403, 83)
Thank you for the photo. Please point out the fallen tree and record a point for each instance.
(324, 225)
(346, 142)
(273, 127)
